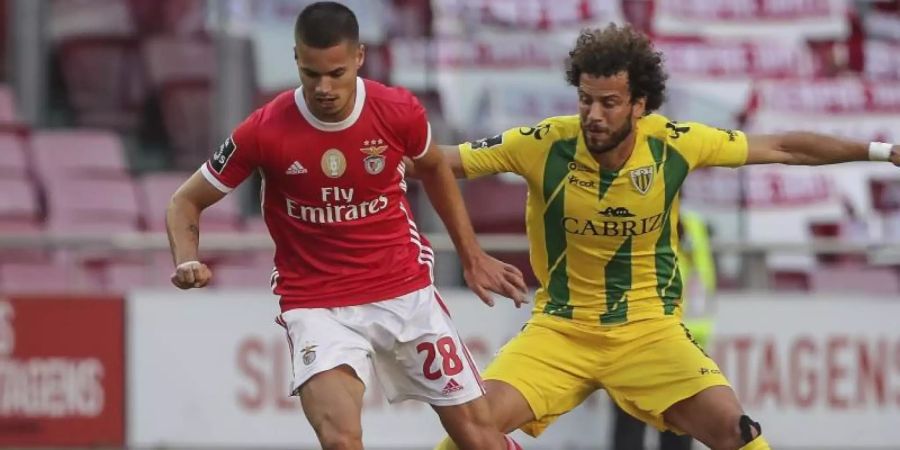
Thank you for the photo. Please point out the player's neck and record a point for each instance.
(616, 158)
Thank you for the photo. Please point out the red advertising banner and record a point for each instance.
(62, 371)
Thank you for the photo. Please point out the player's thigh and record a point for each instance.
(543, 372)
(509, 408)
(654, 365)
(332, 401)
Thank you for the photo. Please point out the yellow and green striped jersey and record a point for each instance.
(604, 244)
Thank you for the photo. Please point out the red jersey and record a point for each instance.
(334, 195)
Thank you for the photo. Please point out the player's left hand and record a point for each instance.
(488, 274)
(895, 155)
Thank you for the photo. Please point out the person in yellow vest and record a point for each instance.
(698, 272)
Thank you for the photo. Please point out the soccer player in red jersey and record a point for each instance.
(353, 273)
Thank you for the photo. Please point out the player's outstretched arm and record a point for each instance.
(451, 156)
(812, 149)
(183, 228)
(483, 273)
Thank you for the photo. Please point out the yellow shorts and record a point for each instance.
(644, 366)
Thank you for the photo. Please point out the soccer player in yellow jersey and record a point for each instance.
(602, 214)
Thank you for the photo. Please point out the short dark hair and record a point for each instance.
(326, 24)
(604, 52)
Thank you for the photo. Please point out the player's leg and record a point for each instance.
(332, 401)
(471, 426)
(715, 417)
(330, 364)
(419, 355)
(679, 386)
(508, 410)
(539, 375)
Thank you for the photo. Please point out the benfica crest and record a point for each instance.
(375, 161)
(642, 179)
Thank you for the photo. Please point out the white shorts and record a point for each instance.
(409, 341)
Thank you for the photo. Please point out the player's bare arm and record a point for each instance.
(482, 272)
(451, 156)
(183, 228)
(812, 149)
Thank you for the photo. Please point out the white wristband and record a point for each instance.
(880, 151)
(187, 264)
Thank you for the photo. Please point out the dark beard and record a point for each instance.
(614, 140)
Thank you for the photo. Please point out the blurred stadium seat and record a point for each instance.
(78, 153)
(19, 206)
(92, 205)
(13, 158)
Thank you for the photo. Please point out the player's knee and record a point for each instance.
(480, 438)
(734, 432)
(340, 440)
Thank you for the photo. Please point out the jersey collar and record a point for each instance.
(332, 126)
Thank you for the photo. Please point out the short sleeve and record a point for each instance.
(236, 158)
(417, 133)
(515, 150)
(703, 145)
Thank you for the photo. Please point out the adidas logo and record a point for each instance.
(451, 387)
(296, 169)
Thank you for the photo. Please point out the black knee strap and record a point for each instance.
(746, 424)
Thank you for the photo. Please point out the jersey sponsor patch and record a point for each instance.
(222, 155)
(485, 143)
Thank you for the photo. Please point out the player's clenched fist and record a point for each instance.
(191, 274)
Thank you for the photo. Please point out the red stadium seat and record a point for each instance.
(9, 113)
(78, 154)
(92, 205)
(170, 16)
(39, 278)
(857, 280)
(19, 206)
(496, 205)
(13, 159)
(156, 190)
(181, 71)
(104, 82)
(186, 110)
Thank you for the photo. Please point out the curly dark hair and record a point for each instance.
(608, 51)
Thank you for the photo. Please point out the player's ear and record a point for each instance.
(295, 53)
(640, 105)
(360, 56)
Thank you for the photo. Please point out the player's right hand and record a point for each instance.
(191, 274)
(488, 274)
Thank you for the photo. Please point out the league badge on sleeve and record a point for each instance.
(490, 142)
(222, 155)
(375, 161)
